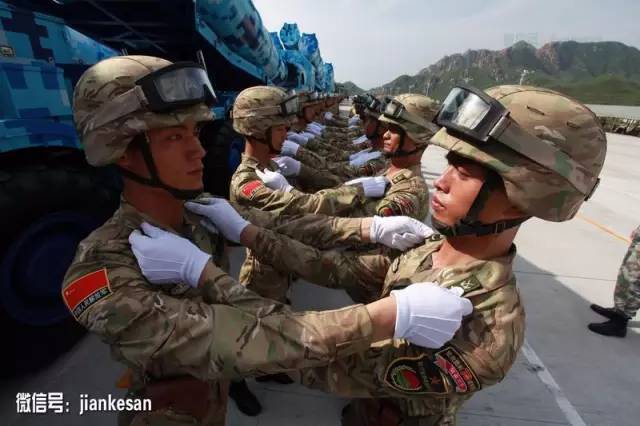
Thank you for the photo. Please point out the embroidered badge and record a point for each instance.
(415, 376)
(453, 365)
(468, 284)
(250, 189)
(386, 211)
(87, 290)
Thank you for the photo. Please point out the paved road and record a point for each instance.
(566, 375)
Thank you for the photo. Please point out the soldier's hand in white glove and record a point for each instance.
(428, 315)
(354, 120)
(374, 187)
(297, 138)
(220, 215)
(398, 232)
(318, 125)
(361, 139)
(365, 158)
(289, 148)
(166, 258)
(274, 180)
(308, 135)
(313, 129)
(359, 153)
(328, 115)
(288, 166)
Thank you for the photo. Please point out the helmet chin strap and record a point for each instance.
(470, 224)
(154, 180)
(268, 141)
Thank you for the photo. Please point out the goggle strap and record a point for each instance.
(544, 154)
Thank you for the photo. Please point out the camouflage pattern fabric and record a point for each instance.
(174, 330)
(406, 195)
(627, 293)
(422, 383)
(341, 169)
(560, 121)
(247, 189)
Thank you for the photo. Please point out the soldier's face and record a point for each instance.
(309, 113)
(278, 136)
(178, 154)
(455, 191)
(370, 127)
(392, 138)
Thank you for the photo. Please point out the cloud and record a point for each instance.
(371, 42)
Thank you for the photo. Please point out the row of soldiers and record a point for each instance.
(436, 315)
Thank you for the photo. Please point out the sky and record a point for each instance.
(371, 42)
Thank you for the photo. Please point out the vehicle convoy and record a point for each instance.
(50, 198)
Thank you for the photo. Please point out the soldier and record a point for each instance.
(142, 114)
(514, 152)
(626, 297)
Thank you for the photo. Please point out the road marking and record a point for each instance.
(569, 411)
(603, 228)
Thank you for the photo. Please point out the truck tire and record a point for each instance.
(46, 211)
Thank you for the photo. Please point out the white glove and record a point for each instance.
(288, 166)
(274, 180)
(313, 130)
(219, 215)
(354, 120)
(318, 125)
(361, 139)
(374, 187)
(353, 126)
(428, 315)
(308, 135)
(328, 115)
(364, 158)
(289, 148)
(398, 232)
(296, 138)
(166, 258)
(357, 154)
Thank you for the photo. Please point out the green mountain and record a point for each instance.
(349, 88)
(599, 73)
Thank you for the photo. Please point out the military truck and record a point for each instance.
(49, 197)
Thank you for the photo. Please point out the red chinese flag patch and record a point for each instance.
(249, 189)
(87, 290)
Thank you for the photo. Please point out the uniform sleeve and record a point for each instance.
(321, 231)
(353, 271)
(163, 335)
(480, 354)
(407, 200)
(314, 180)
(338, 201)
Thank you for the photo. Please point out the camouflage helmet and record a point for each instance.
(98, 86)
(255, 111)
(557, 120)
(423, 108)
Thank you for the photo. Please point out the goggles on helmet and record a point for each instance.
(480, 119)
(290, 106)
(179, 85)
(396, 111)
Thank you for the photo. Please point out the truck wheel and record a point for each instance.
(46, 212)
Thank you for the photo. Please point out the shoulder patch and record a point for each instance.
(416, 375)
(386, 211)
(454, 366)
(250, 189)
(87, 290)
(468, 284)
(398, 178)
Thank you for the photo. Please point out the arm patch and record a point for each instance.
(86, 291)
(250, 189)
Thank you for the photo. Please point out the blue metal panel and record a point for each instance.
(310, 49)
(238, 27)
(290, 36)
(329, 79)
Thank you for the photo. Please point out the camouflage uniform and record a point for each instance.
(627, 292)
(481, 353)
(169, 336)
(418, 386)
(106, 292)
